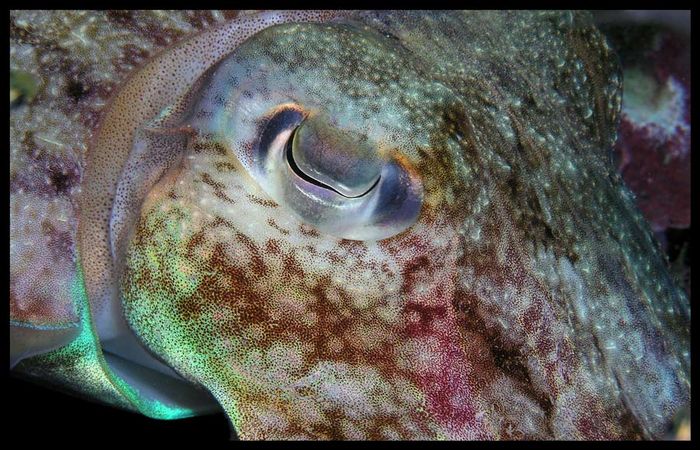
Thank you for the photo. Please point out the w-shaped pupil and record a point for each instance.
(300, 173)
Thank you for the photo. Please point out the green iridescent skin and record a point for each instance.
(80, 368)
(527, 299)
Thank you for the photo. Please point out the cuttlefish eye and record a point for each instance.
(323, 156)
(337, 180)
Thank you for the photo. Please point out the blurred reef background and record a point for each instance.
(653, 147)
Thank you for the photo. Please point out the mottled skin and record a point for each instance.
(528, 299)
(76, 59)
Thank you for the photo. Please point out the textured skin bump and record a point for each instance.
(527, 301)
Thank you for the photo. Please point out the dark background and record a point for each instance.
(39, 414)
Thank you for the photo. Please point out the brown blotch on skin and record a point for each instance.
(200, 19)
(355, 248)
(194, 242)
(438, 166)
(418, 268)
(527, 155)
(273, 224)
(511, 362)
(226, 285)
(257, 263)
(528, 213)
(230, 14)
(272, 247)
(24, 34)
(204, 144)
(121, 18)
(292, 268)
(189, 308)
(224, 167)
(501, 356)
(518, 194)
(263, 202)
(27, 35)
(76, 90)
(218, 188)
(308, 231)
(63, 179)
(220, 221)
(333, 257)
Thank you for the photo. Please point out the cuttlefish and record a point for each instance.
(365, 225)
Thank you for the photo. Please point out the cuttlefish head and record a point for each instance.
(292, 232)
(339, 232)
